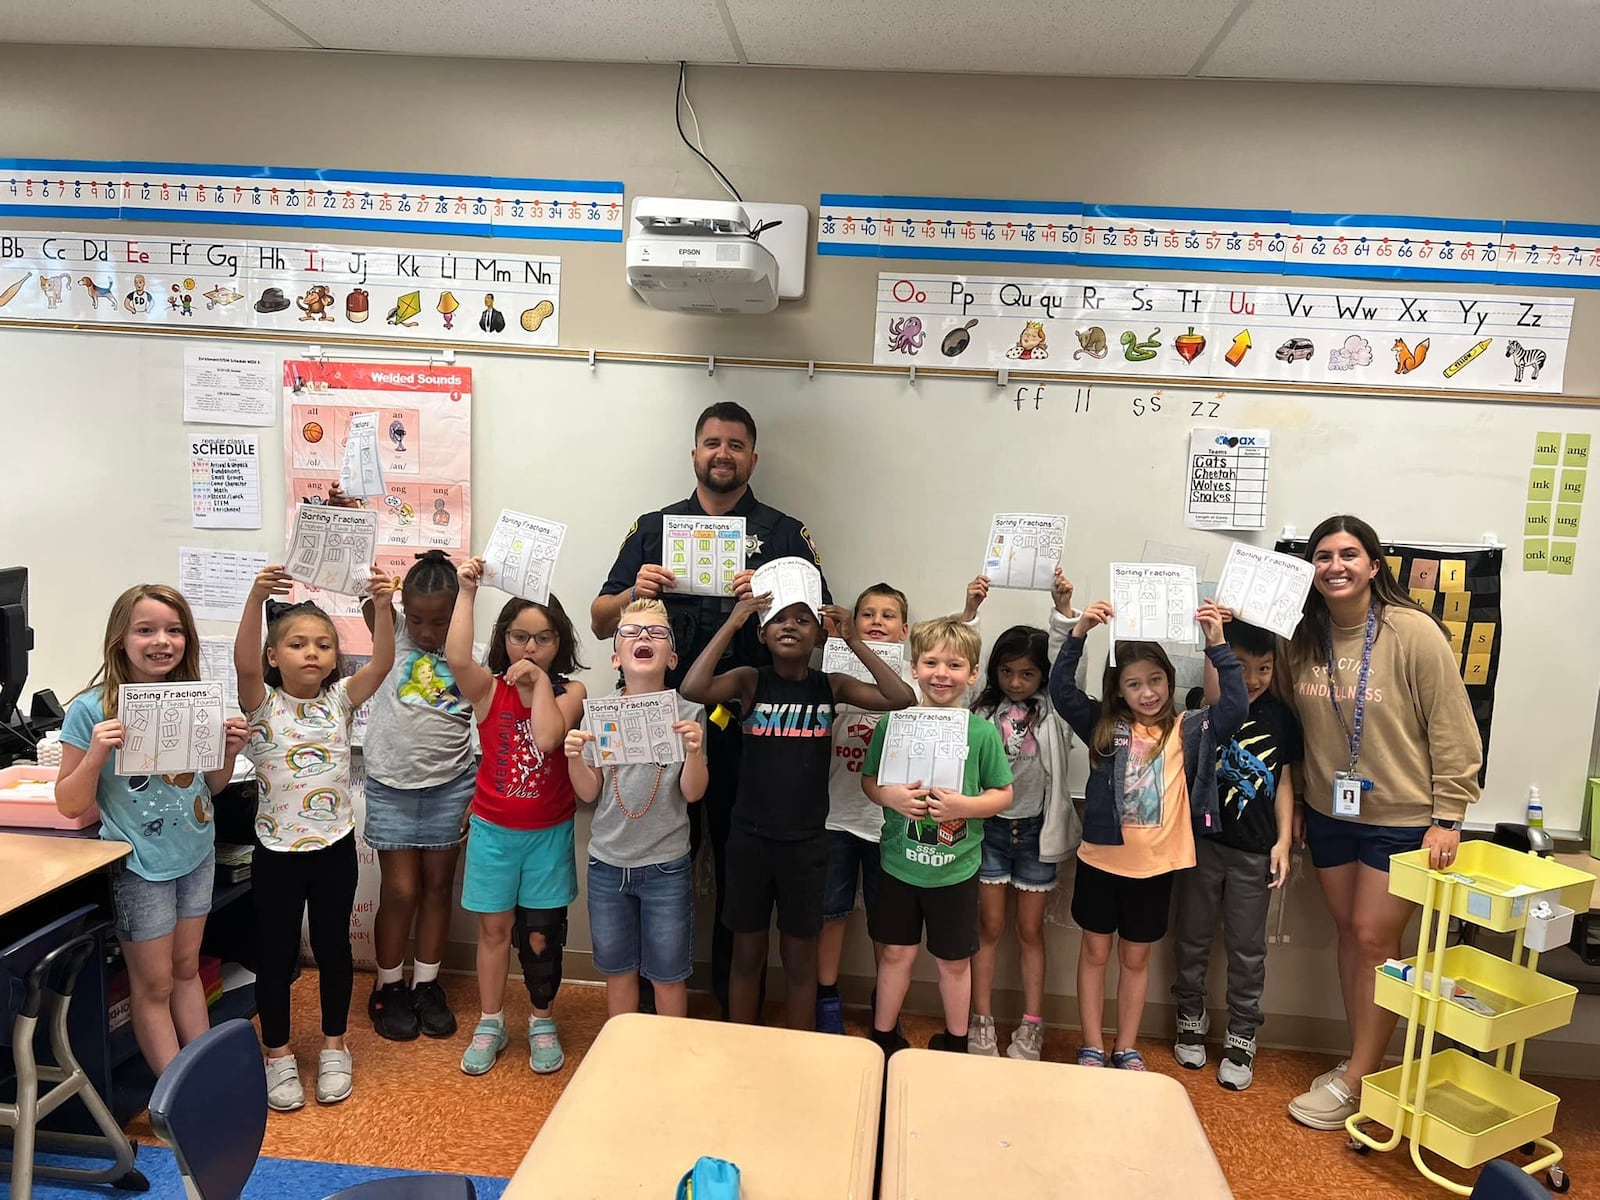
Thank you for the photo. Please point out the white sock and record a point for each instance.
(499, 1018)
(422, 972)
(388, 975)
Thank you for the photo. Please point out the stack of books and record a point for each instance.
(233, 863)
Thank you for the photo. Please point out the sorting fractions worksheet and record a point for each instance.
(633, 729)
(838, 658)
(360, 471)
(705, 553)
(1154, 602)
(927, 745)
(170, 728)
(333, 548)
(1024, 550)
(521, 555)
(1264, 587)
(789, 581)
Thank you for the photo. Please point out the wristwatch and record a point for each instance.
(1452, 826)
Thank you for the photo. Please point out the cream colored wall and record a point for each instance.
(789, 135)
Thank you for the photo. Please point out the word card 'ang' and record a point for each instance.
(170, 728)
(1265, 588)
(521, 555)
(839, 659)
(788, 581)
(633, 729)
(361, 471)
(1154, 602)
(332, 548)
(705, 553)
(1024, 550)
(926, 746)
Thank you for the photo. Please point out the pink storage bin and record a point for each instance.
(27, 800)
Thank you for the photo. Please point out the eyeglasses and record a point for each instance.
(519, 637)
(656, 633)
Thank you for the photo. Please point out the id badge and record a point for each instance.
(1347, 794)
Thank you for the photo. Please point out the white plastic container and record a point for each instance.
(1548, 933)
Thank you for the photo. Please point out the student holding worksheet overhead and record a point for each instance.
(699, 594)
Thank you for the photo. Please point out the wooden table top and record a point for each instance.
(32, 866)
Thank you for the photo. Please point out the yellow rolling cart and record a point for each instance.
(1457, 1105)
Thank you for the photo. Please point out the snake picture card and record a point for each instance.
(170, 728)
(332, 548)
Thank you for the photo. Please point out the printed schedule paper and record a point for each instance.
(705, 553)
(1227, 479)
(521, 555)
(1154, 602)
(1024, 550)
(633, 729)
(839, 659)
(924, 744)
(229, 386)
(216, 583)
(333, 548)
(170, 728)
(225, 481)
(1265, 588)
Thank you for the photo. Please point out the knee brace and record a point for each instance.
(541, 971)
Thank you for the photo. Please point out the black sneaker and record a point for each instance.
(392, 1013)
(433, 1012)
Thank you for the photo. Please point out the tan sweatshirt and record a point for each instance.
(1419, 746)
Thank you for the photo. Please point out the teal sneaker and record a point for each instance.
(544, 1046)
(488, 1040)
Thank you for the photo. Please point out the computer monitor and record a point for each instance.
(16, 639)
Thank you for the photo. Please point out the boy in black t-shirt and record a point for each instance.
(777, 845)
(1236, 869)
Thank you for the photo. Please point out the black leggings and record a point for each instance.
(541, 971)
(287, 884)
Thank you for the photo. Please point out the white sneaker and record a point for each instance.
(1327, 1107)
(284, 1093)
(1330, 1075)
(981, 1037)
(1189, 1047)
(1236, 1071)
(333, 1076)
(1027, 1043)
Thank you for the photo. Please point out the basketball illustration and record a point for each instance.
(312, 432)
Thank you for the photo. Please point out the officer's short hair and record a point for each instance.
(733, 414)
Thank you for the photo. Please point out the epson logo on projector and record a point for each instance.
(685, 251)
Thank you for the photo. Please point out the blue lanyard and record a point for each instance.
(1352, 731)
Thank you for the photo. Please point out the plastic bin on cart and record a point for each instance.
(28, 800)
(1472, 1111)
(1494, 883)
(1525, 1003)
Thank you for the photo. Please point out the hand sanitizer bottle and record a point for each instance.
(1535, 809)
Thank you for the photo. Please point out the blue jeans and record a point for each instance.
(1011, 855)
(1335, 841)
(147, 909)
(642, 919)
(849, 856)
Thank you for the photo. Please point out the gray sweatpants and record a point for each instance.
(1234, 882)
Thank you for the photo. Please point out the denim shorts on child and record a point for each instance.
(1336, 841)
(147, 909)
(417, 818)
(1011, 855)
(849, 856)
(511, 868)
(642, 919)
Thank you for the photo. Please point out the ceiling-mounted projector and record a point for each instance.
(717, 257)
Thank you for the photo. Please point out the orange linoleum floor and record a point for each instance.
(413, 1108)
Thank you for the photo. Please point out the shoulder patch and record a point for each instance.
(806, 534)
(632, 529)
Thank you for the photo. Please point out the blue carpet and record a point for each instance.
(273, 1179)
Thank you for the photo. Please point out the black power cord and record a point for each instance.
(677, 116)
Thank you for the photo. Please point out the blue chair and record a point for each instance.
(411, 1187)
(1501, 1180)
(37, 976)
(210, 1106)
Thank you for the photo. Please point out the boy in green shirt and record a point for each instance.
(932, 843)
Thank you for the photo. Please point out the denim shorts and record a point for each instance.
(417, 818)
(849, 856)
(518, 868)
(1336, 841)
(147, 909)
(1011, 855)
(642, 919)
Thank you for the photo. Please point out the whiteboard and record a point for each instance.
(896, 481)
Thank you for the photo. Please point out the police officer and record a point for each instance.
(724, 455)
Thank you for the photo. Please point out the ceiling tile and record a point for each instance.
(235, 24)
(1472, 43)
(1044, 37)
(600, 30)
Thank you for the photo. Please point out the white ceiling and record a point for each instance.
(1496, 43)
